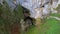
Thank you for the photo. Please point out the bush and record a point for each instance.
(9, 19)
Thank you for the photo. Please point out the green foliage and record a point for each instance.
(19, 12)
(8, 18)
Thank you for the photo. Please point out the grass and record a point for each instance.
(52, 26)
(33, 30)
(55, 14)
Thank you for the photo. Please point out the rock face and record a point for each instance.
(34, 4)
(1, 2)
(55, 4)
